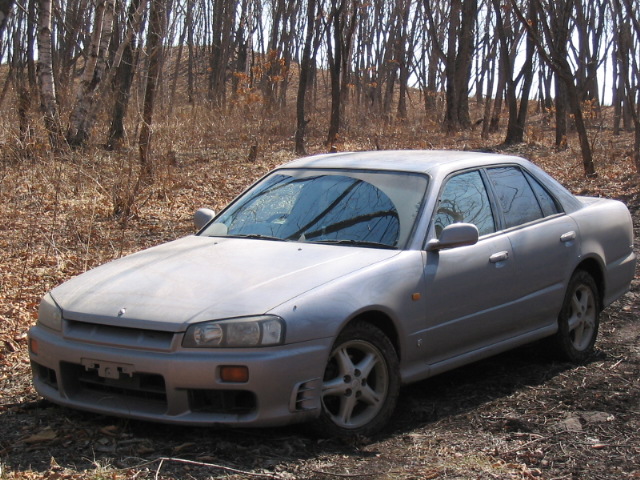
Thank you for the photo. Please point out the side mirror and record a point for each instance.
(202, 217)
(454, 235)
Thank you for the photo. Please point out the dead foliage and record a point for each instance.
(517, 416)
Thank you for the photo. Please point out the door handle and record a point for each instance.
(567, 237)
(499, 257)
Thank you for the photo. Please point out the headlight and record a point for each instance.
(49, 314)
(259, 331)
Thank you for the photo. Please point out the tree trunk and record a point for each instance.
(487, 103)
(304, 79)
(222, 29)
(155, 37)
(507, 70)
(494, 123)
(339, 52)
(464, 60)
(526, 73)
(124, 72)
(81, 120)
(5, 9)
(334, 52)
(48, 104)
(561, 112)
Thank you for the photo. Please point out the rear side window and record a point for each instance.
(522, 198)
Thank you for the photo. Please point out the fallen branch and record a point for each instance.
(210, 465)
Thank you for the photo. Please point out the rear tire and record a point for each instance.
(579, 319)
(360, 384)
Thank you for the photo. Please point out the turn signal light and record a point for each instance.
(234, 374)
(33, 346)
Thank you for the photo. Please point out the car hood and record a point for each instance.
(203, 278)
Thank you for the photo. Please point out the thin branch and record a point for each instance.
(210, 465)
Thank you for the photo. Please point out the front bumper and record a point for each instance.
(180, 386)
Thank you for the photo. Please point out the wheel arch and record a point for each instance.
(594, 268)
(382, 321)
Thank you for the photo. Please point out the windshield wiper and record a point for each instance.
(355, 243)
(258, 236)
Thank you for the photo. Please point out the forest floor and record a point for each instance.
(519, 415)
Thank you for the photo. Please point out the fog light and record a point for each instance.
(234, 374)
(33, 346)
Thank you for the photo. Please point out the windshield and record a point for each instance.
(346, 207)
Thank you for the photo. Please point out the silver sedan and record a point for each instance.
(331, 282)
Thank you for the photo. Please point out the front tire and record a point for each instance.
(579, 319)
(361, 383)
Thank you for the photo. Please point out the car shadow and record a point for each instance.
(465, 389)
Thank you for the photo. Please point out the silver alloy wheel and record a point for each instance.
(355, 385)
(582, 317)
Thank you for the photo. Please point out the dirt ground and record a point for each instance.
(520, 415)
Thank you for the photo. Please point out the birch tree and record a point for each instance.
(48, 103)
(82, 118)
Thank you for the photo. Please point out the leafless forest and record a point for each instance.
(119, 118)
(83, 71)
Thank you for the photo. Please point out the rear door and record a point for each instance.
(544, 242)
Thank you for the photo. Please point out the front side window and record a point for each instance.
(464, 199)
(359, 208)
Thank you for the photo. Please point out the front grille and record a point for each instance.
(137, 388)
(118, 336)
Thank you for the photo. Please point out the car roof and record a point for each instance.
(430, 162)
(436, 163)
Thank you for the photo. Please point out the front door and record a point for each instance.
(468, 289)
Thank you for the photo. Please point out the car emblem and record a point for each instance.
(122, 312)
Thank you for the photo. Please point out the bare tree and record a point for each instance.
(155, 38)
(81, 120)
(627, 20)
(508, 47)
(222, 31)
(553, 19)
(590, 22)
(22, 71)
(342, 21)
(5, 10)
(308, 56)
(457, 58)
(73, 20)
(123, 70)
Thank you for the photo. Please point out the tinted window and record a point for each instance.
(518, 202)
(464, 200)
(546, 201)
